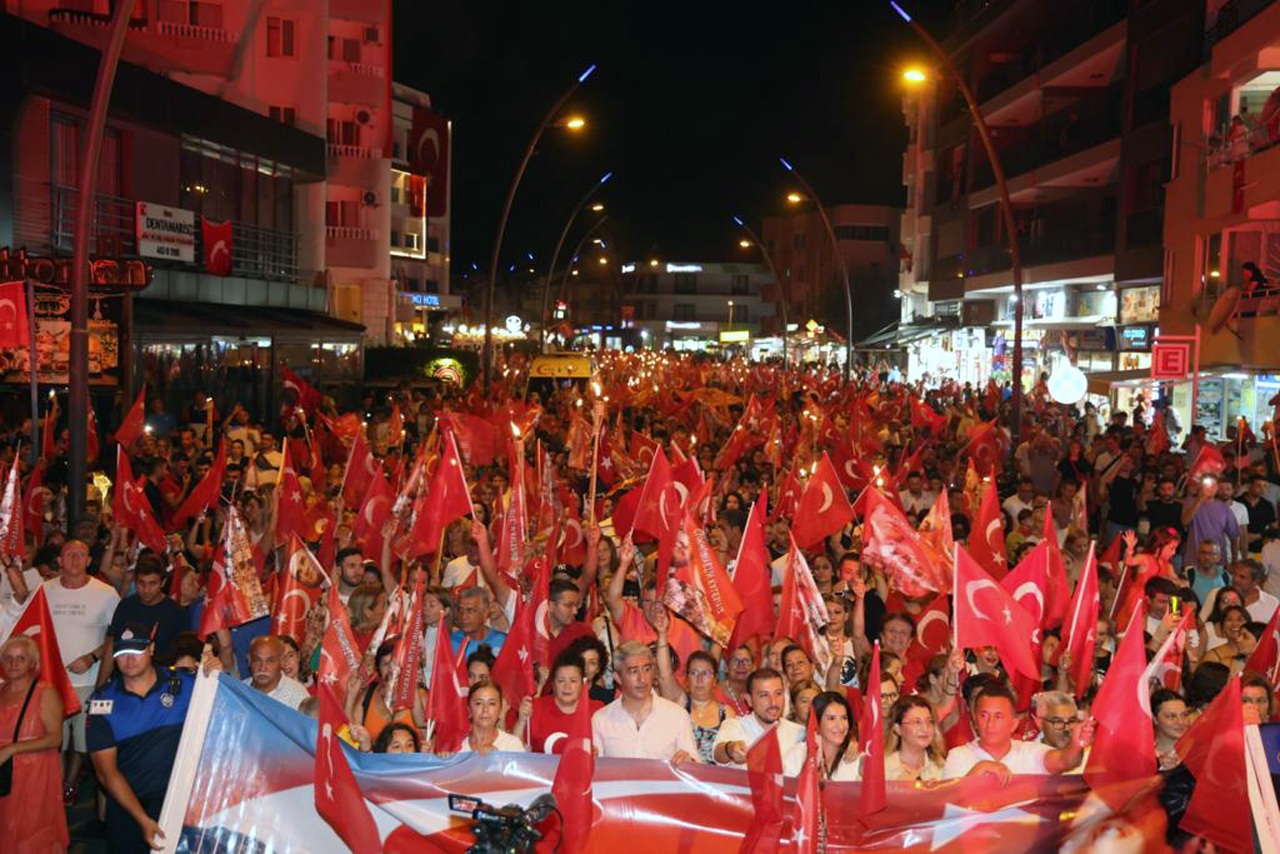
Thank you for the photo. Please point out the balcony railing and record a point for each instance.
(256, 253)
(193, 31)
(1051, 245)
(348, 232)
(1241, 139)
(366, 68)
(1263, 302)
(352, 151)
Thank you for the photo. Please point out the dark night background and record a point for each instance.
(690, 107)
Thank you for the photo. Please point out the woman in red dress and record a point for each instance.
(550, 716)
(31, 816)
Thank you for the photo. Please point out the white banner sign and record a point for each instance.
(165, 232)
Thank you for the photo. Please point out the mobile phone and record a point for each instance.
(1174, 602)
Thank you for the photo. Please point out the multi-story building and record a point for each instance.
(694, 305)
(1076, 96)
(421, 180)
(1223, 212)
(286, 132)
(867, 238)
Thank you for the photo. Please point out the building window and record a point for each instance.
(285, 115)
(342, 132)
(683, 311)
(280, 37)
(686, 283)
(878, 233)
(740, 284)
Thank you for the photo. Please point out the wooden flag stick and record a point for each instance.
(597, 418)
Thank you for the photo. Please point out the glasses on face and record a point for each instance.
(1056, 723)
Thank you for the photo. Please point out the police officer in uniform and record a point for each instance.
(134, 725)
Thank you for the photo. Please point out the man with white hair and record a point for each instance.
(1055, 717)
(640, 724)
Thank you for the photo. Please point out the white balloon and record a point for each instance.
(1068, 384)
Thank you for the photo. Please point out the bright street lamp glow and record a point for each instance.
(914, 75)
(794, 198)
(597, 207)
(576, 123)
(604, 260)
(653, 262)
(744, 243)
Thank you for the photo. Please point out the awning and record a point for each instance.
(177, 320)
(1102, 382)
(899, 334)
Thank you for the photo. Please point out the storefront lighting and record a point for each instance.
(1213, 274)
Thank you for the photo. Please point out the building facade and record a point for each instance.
(288, 140)
(1223, 212)
(696, 305)
(1076, 97)
(867, 239)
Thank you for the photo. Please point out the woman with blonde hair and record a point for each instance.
(31, 811)
(915, 750)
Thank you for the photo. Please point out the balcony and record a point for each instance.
(352, 246)
(1048, 243)
(1231, 16)
(1070, 131)
(257, 253)
(354, 165)
(364, 11)
(357, 83)
(157, 45)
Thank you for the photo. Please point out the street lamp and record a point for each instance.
(795, 198)
(573, 123)
(914, 75)
(1006, 210)
(573, 256)
(730, 315)
(555, 256)
(78, 357)
(753, 240)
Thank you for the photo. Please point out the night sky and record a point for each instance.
(691, 106)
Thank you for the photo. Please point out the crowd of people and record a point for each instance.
(133, 623)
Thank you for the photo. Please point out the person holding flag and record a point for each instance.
(30, 735)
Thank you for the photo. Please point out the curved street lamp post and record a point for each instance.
(768, 260)
(555, 256)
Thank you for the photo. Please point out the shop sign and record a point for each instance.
(1135, 337)
(165, 232)
(111, 274)
(53, 342)
(735, 336)
(1103, 338)
(424, 300)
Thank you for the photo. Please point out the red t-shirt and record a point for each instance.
(548, 723)
(561, 642)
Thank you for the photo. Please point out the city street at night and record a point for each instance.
(834, 428)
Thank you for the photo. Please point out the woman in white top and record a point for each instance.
(915, 747)
(484, 705)
(835, 732)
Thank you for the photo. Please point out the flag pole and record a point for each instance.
(1075, 615)
(955, 598)
(32, 365)
(597, 418)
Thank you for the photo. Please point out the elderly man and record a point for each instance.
(640, 724)
(473, 622)
(268, 677)
(995, 752)
(767, 697)
(1056, 718)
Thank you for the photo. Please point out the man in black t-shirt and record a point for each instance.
(1165, 510)
(151, 608)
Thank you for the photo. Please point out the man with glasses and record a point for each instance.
(1055, 714)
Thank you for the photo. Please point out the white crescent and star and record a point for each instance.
(827, 498)
(973, 587)
(1030, 588)
(928, 618)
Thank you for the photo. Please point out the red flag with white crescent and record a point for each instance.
(297, 591)
(15, 331)
(985, 615)
(823, 508)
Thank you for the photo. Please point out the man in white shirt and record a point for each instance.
(767, 697)
(995, 751)
(1247, 576)
(640, 724)
(264, 467)
(265, 655)
(81, 608)
(915, 499)
(1023, 499)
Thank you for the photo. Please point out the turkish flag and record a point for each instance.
(1208, 462)
(514, 525)
(809, 793)
(305, 394)
(447, 700)
(339, 652)
(764, 773)
(374, 514)
(752, 577)
(36, 622)
(984, 449)
(134, 420)
(572, 542)
(985, 615)
(297, 591)
(92, 447)
(132, 509)
(513, 668)
(925, 418)
(362, 465)
(823, 508)
(291, 510)
(1166, 665)
(408, 653)
(871, 729)
(337, 795)
(206, 492)
(449, 499)
(428, 154)
(1029, 584)
(572, 784)
(802, 613)
(217, 245)
(1213, 750)
(933, 633)
(788, 497)
(11, 522)
(1124, 753)
(658, 512)
(643, 448)
(855, 472)
(1081, 624)
(935, 530)
(1265, 658)
(33, 503)
(908, 559)
(986, 541)
(701, 591)
(15, 331)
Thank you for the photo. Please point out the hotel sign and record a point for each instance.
(165, 232)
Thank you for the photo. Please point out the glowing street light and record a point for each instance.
(914, 75)
(597, 207)
(575, 123)
(744, 243)
(795, 198)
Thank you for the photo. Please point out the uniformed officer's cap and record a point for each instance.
(133, 639)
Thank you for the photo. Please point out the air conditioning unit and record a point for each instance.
(364, 117)
(370, 199)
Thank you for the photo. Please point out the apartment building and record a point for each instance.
(1077, 99)
(1223, 212)
(689, 305)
